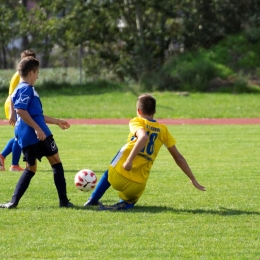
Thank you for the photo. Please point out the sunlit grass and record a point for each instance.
(103, 99)
(172, 220)
(109, 103)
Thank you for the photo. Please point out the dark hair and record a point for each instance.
(28, 64)
(147, 104)
(28, 53)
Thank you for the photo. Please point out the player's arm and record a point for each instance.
(55, 121)
(29, 121)
(182, 163)
(12, 116)
(139, 145)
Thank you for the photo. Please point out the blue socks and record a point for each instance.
(101, 188)
(17, 150)
(8, 148)
(12, 146)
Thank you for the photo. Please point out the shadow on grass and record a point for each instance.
(158, 209)
(222, 211)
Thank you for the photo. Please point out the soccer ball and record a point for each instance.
(85, 180)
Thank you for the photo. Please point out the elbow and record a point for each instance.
(180, 160)
(18, 111)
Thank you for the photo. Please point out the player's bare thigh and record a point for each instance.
(54, 159)
(32, 168)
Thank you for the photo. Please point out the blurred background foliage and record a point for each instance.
(173, 45)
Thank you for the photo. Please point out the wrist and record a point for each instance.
(37, 128)
(128, 161)
(57, 121)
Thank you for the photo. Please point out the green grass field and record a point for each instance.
(63, 96)
(88, 103)
(172, 220)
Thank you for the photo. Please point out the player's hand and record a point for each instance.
(198, 186)
(127, 166)
(12, 120)
(40, 134)
(63, 124)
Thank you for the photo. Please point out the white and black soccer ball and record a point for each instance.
(85, 180)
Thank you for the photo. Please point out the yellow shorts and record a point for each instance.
(129, 191)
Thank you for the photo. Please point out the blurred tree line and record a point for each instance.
(126, 39)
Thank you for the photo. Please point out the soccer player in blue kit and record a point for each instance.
(12, 145)
(129, 170)
(33, 134)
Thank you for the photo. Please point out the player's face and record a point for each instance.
(34, 75)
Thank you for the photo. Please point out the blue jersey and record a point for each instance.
(25, 97)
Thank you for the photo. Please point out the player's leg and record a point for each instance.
(21, 186)
(99, 191)
(129, 191)
(24, 182)
(16, 154)
(130, 195)
(6, 151)
(59, 180)
(25, 178)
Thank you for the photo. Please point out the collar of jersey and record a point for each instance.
(26, 83)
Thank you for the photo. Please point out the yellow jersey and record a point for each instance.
(158, 135)
(13, 84)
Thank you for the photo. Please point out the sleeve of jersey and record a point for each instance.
(14, 82)
(169, 139)
(135, 124)
(22, 99)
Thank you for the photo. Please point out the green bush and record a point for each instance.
(187, 75)
(196, 74)
(194, 70)
(240, 85)
(253, 35)
(160, 80)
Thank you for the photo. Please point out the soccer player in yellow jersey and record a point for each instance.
(129, 170)
(12, 145)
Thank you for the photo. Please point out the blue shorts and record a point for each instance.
(46, 148)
